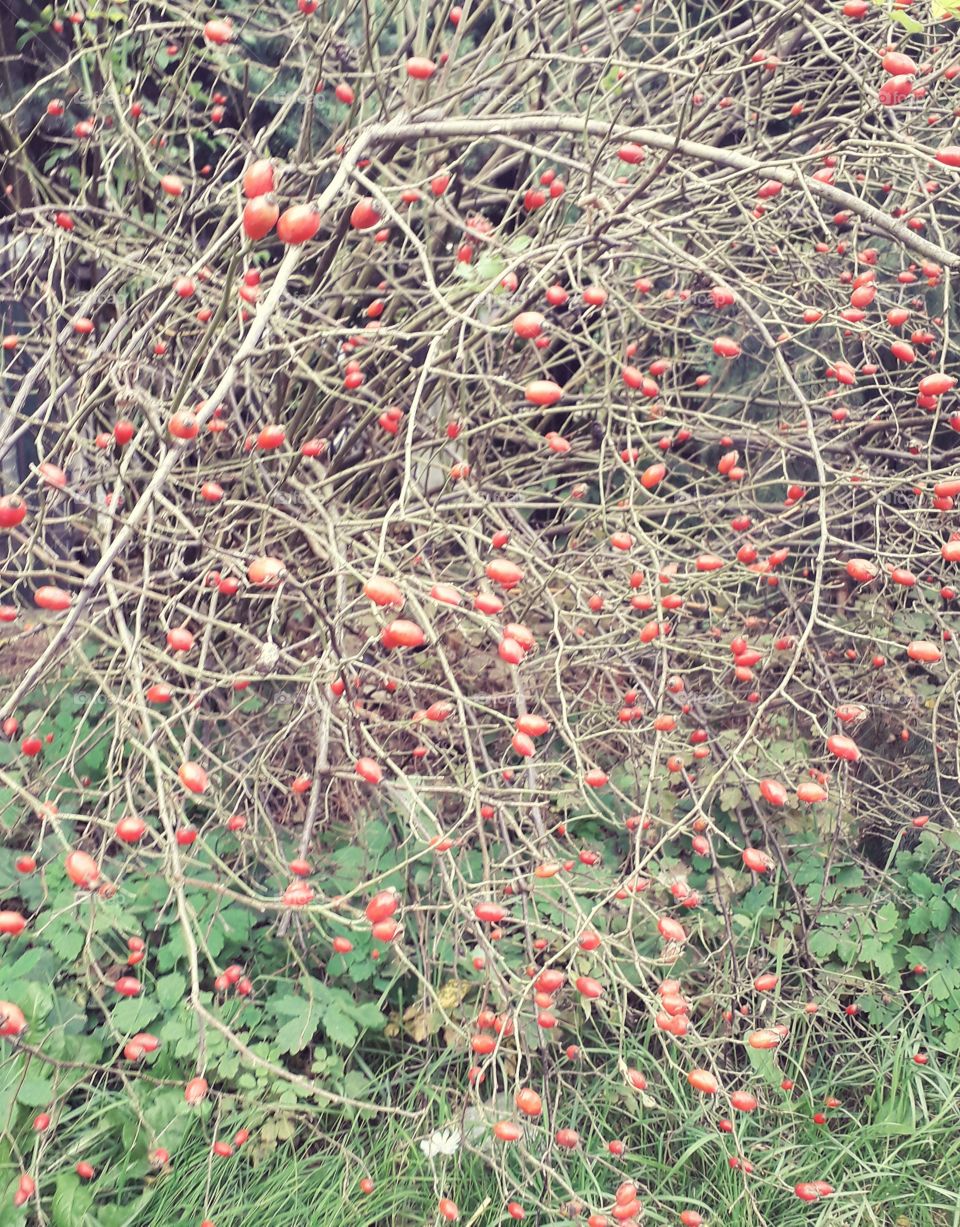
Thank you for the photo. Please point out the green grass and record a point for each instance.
(892, 1151)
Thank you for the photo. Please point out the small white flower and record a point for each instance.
(442, 1142)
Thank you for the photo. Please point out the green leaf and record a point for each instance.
(879, 954)
(35, 1091)
(376, 835)
(353, 1085)
(808, 872)
(66, 939)
(822, 943)
(9, 1078)
(846, 949)
(9, 811)
(919, 919)
(920, 885)
(730, 798)
(171, 952)
(939, 911)
(339, 1026)
(299, 1030)
(884, 961)
(764, 1062)
(229, 925)
(133, 1014)
(939, 988)
(489, 267)
(26, 964)
(349, 861)
(910, 24)
(362, 969)
(171, 989)
(886, 919)
(367, 1015)
(123, 1216)
(71, 1201)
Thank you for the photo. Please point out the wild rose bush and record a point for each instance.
(479, 568)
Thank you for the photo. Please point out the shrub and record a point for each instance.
(479, 580)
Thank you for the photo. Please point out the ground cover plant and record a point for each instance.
(479, 566)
